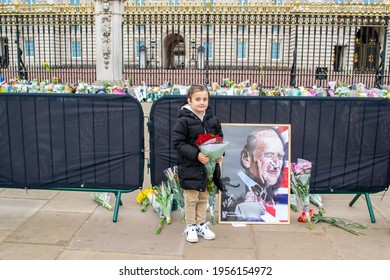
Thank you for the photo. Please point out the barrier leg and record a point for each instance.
(354, 199)
(369, 205)
(118, 203)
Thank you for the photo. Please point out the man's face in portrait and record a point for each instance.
(266, 161)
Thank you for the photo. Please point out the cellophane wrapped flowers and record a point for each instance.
(211, 145)
(102, 199)
(300, 185)
(173, 179)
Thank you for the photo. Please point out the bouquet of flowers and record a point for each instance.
(142, 198)
(161, 198)
(102, 199)
(300, 185)
(173, 180)
(211, 145)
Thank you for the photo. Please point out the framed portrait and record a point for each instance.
(256, 174)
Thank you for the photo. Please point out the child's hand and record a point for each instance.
(219, 160)
(203, 158)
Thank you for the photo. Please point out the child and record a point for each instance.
(195, 117)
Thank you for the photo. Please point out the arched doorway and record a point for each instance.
(367, 48)
(174, 52)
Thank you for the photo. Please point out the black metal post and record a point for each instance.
(381, 69)
(293, 73)
(22, 72)
(207, 46)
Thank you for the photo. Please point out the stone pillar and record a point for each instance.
(109, 53)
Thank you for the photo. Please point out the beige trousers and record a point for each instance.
(195, 206)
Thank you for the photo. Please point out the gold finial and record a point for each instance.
(208, 4)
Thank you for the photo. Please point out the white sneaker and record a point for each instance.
(203, 230)
(191, 235)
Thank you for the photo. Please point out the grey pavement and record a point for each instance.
(67, 225)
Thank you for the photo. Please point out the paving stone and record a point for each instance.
(47, 227)
(26, 251)
(15, 211)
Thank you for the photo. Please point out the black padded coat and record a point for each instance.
(192, 173)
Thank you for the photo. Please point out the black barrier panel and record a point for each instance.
(71, 141)
(347, 139)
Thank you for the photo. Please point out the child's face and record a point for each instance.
(199, 101)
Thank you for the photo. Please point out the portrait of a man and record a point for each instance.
(256, 164)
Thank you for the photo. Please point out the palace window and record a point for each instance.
(241, 50)
(139, 44)
(275, 51)
(210, 49)
(76, 48)
(29, 48)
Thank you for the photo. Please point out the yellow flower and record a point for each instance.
(143, 194)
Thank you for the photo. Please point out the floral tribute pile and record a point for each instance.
(300, 186)
(334, 89)
(145, 93)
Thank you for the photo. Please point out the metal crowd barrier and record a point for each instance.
(72, 142)
(346, 139)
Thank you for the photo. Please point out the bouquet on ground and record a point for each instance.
(142, 198)
(173, 179)
(315, 199)
(300, 185)
(102, 199)
(161, 198)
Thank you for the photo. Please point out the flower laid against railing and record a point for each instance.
(161, 198)
(315, 199)
(142, 198)
(300, 185)
(178, 193)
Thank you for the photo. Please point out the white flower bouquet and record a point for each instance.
(173, 179)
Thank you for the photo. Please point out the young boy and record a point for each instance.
(195, 117)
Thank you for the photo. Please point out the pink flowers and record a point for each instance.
(301, 167)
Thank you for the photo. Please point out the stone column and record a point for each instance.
(109, 54)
